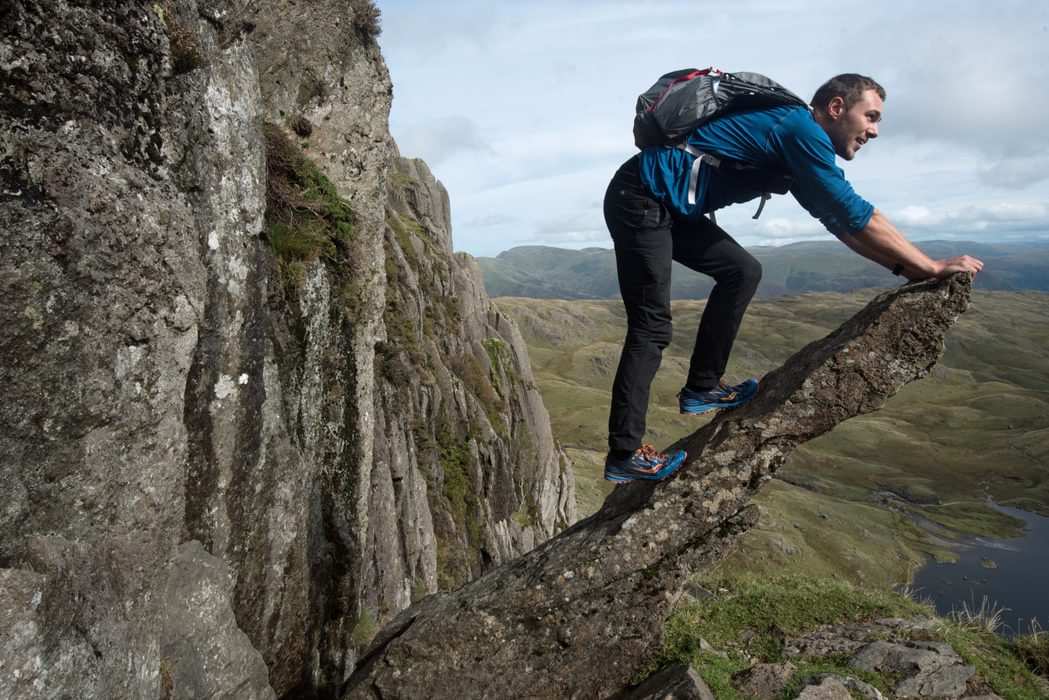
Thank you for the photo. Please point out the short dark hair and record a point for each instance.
(848, 86)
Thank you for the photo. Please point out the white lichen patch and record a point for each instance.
(725, 458)
(224, 387)
(127, 358)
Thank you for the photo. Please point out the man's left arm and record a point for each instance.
(881, 242)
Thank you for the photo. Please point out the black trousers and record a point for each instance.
(647, 239)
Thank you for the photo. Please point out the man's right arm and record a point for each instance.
(881, 242)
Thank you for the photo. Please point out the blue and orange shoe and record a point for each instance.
(694, 403)
(646, 463)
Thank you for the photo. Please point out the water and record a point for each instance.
(1019, 586)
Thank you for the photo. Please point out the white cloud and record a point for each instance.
(492, 220)
(441, 138)
(790, 228)
(570, 239)
(918, 216)
(991, 221)
(974, 79)
(1017, 172)
(1014, 211)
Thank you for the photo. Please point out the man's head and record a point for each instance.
(848, 107)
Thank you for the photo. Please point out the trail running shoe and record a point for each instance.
(694, 403)
(645, 463)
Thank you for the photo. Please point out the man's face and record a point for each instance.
(850, 129)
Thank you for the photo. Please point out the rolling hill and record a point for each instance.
(542, 272)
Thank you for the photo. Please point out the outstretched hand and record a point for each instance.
(962, 263)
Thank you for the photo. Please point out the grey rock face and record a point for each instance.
(826, 688)
(764, 681)
(188, 451)
(830, 685)
(929, 669)
(849, 638)
(577, 614)
(205, 653)
(674, 682)
(463, 400)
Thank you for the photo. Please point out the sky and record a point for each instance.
(524, 109)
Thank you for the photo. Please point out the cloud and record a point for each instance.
(492, 220)
(918, 217)
(972, 75)
(783, 230)
(1024, 213)
(998, 218)
(1017, 172)
(442, 138)
(570, 230)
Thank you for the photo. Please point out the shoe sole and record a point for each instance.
(655, 477)
(712, 409)
(715, 407)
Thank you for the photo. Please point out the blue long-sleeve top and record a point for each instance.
(786, 139)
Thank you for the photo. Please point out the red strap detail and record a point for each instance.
(682, 79)
(686, 77)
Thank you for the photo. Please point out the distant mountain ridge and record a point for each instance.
(544, 272)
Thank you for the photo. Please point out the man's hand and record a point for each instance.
(963, 263)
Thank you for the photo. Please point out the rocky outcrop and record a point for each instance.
(461, 430)
(213, 483)
(578, 615)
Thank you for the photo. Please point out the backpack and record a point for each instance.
(680, 101)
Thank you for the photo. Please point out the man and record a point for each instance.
(656, 215)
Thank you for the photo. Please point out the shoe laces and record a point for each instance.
(652, 454)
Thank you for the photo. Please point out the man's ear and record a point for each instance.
(836, 107)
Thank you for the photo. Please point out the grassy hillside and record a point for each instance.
(864, 501)
(553, 273)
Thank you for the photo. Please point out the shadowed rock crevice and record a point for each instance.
(581, 613)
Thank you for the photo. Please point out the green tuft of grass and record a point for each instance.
(364, 630)
(1033, 649)
(306, 218)
(402, 180)
(167, 680)
(996, 661)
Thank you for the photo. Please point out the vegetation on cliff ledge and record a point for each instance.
(306, 219)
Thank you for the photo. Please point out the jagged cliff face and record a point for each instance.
(459, 420)
(217, 476)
